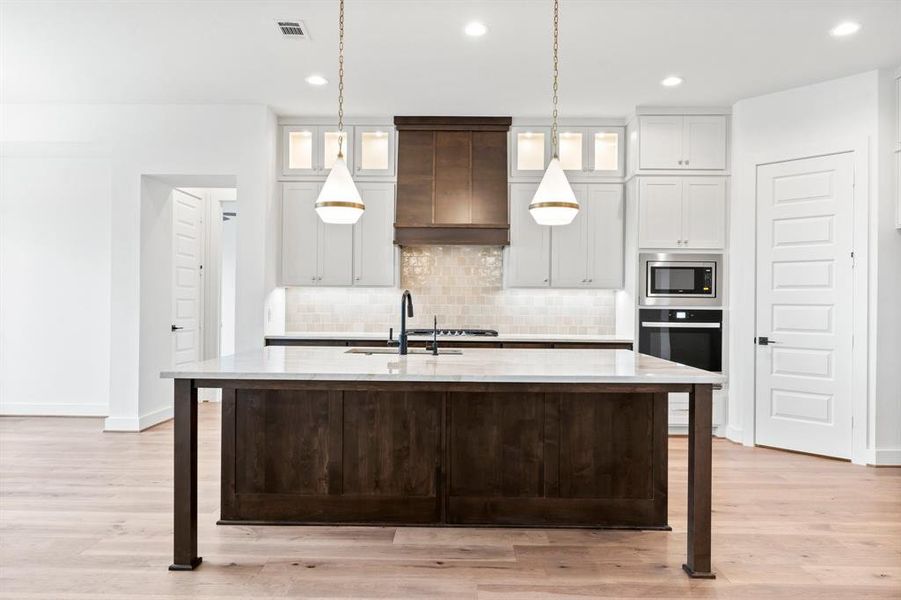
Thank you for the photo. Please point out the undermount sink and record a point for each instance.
(371, 351)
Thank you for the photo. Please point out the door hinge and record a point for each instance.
(852, 259)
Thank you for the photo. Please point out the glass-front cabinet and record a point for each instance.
(309, 151)
(374, 147)
(531, 150)
(584, 151)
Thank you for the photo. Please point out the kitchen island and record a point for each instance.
(487, 437)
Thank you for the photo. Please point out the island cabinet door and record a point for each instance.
(574, 459)
(324, 456)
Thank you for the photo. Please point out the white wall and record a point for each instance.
(779, 124)
(54, 280)
(227, 289)
(132, 141)
(887, 422)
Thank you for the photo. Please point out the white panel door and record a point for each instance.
(527, 263)
(660, 212)
(704, 142)
(703, 212)
(660, 142)
(374, 249)
(300, 233)
(336, 254)
(804, 279)
(606, 222)
(187, 281)
(569, 247)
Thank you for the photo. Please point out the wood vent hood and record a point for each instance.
(452, 181)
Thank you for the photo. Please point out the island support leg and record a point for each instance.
(185, 507)
(700, 432)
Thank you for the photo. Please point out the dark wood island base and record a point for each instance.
(444, 453)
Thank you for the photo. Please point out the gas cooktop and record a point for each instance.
(453, 332)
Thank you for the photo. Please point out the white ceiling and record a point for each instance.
(411, 57)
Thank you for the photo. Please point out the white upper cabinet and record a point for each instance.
(374, 250)
(573, 148)
(587, 253)
(328, 147)
(606, 242)
(703, 212)
(530, 151)
(682, 142)
(570, 246)
(681, 212)
(606, 151)
(300, 236)
(316, 253)
(374, 151)
(660, 141)
(584, 151)
(704, 142)
(311, 150)
(659, 212)
(527, 263)
(299, 149)
(335, 254)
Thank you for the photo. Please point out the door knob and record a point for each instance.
(176, 328)
(765, 341)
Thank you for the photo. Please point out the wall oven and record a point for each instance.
(689, 337)
(680, 279)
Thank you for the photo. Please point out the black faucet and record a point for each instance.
(406, 310)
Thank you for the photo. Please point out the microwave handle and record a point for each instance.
(678, 325)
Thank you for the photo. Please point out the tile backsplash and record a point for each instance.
(463, 286)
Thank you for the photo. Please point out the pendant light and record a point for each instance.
(339, 201)
(554, 203)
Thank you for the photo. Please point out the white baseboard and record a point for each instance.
(53, 410)
(888, 457)
(138, 424)
(718, 430)
(734, 434)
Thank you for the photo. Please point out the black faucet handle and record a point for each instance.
(435, 336)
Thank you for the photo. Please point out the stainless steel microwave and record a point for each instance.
(680, 279)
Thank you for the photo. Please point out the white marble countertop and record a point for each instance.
(474, 365)
(541, 338)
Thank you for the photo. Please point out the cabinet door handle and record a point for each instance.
(545, 280)
(680, 162)
(686, 162)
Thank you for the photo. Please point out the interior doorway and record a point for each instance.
(805, 262)
(182, 271)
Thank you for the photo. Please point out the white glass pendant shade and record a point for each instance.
(554, 202)
(339, 202)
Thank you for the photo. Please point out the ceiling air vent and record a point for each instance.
(293, 29)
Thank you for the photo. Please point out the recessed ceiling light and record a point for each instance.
(475, 29)
(843, 29)
(672, 81)
(316, 80)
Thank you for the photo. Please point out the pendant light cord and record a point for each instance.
(554, 140)
(340, 78)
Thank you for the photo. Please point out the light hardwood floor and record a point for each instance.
(87, 515)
